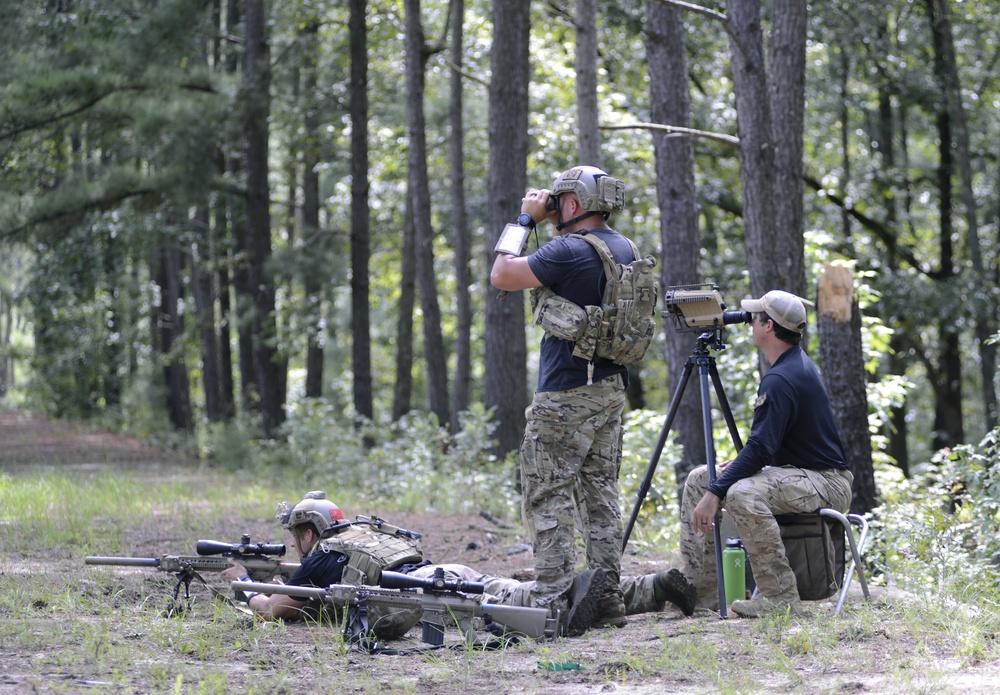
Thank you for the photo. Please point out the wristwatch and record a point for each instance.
(526, 220)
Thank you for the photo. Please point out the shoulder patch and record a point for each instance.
(761, 399)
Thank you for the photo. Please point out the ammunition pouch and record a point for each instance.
(559, 316)
(586, 346)
(361, 569)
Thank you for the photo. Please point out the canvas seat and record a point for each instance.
(801, 534)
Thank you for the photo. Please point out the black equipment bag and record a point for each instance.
(815, 547)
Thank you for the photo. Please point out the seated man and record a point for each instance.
(352, 555)
(793, 462)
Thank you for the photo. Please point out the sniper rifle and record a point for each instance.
(260, 559)
(438, 599)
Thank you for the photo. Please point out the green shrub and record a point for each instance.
(936, 533)
(411, 464)
(658, 521)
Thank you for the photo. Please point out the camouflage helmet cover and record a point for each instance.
(314, 509)
(595, 190)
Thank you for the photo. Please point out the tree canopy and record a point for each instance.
(184, 181)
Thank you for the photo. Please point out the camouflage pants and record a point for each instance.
(638, 591)
(751, 505)
(570, 457)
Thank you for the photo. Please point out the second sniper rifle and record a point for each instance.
(260, 559)
(441, 601)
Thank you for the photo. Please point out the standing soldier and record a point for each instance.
(571, 451)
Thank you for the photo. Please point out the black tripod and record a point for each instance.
(705, 361)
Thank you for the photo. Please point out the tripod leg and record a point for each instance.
(664, 433)
(706, 411)
(727, 412)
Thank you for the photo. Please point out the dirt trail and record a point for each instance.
(30, 441)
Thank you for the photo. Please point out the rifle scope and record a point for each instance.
(244, 548)
(436, 584)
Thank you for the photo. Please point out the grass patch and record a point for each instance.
(50, 510)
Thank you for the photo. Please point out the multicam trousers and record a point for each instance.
(639, 593)
(751, 504)
(570, 457)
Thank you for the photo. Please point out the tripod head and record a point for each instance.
(710, 339)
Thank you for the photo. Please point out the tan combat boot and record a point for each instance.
(785, 603)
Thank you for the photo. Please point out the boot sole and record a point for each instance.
(581, 614)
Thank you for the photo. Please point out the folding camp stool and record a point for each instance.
(847, 543)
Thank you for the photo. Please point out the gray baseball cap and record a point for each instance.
(785, 308)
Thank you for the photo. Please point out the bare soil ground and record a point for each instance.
(865, 650)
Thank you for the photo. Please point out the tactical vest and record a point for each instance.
(369, 551)
(622, 327)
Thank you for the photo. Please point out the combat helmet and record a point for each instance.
(314, 510)
(596, 191)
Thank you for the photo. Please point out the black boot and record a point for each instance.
(584, 593)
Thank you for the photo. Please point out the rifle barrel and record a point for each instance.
(123, 561)
(285, 589)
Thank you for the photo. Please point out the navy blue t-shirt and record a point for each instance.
(319, 570)
(572, 269)
(792, 424)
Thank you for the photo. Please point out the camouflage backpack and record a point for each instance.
(622, 327)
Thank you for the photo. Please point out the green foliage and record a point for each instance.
(657, 523)
(84, 303)
(936, 534)
(410, 464)
(416, 464)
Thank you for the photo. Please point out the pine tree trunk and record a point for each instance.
(459, 225)
(171, 330)
(588, 122)
(361, 359)
(435, 354)
(312, 282)
(756, 144)
(670, 103)
(843, 364)
(983, 299)
(948, 424)
(261, 282)
(787, 51)
(402, 392)
(204, 303)
(506, 346)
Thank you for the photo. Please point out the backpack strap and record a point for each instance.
(607, 258)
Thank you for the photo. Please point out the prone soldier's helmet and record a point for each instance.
(314, 509)
(596, 191)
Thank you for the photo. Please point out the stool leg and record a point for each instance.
(856, 550)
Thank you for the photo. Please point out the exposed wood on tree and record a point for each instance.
(843, 369)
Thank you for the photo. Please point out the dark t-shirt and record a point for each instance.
(572, 269)
(319, 570)
(792, 424)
